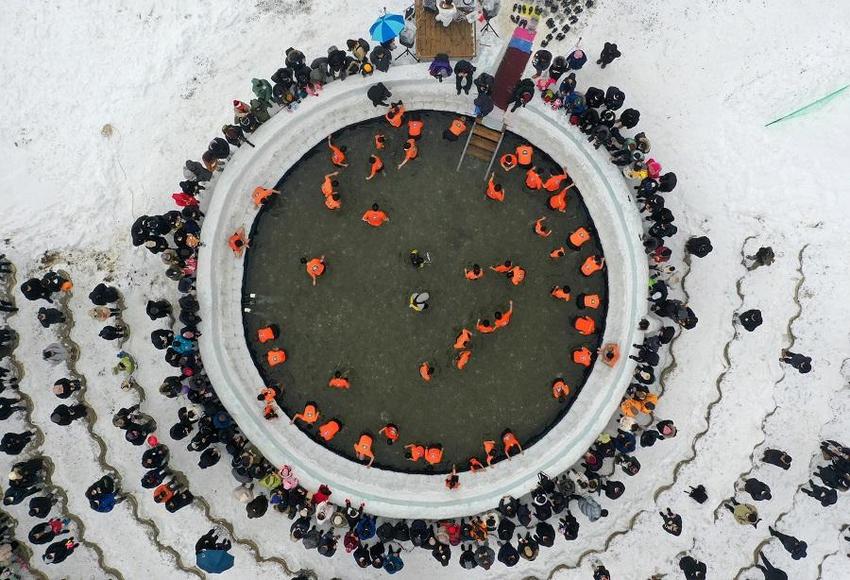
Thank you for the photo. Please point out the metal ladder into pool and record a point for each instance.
(482, 143)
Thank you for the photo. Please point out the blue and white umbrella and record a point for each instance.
(387, 27)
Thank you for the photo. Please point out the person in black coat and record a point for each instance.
(522, 94)
(608, 54)
(158, 309)
(692, 568)
(614, 98)
(827, 496)
(628, 119)
(758, 490)
(48, 316)
(699, 246)
(594, 97)
(485, 82)
(58, 552)
(111, 332)
(14, 443)
(801, 362)
(64, 415)
(540, 61)
(508, 555)
(463, 75)
(219, 148)
(379, 94)
(33, 289)
(483, 105)
(672, 522)
(794, 546)
(256, 508)
(15, 495)
(380, 58)
(750, 319)
(777, 458)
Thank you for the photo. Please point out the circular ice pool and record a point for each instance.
(281, 144)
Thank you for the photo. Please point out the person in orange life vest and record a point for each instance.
(395, 116)
(434, 454)
(267, 394)
(426, 371)
(455, 130)
(332, 202)
(276, 357)
(315, 267)
(410, 152)
(474, 464)
(558, 201)
(588, 301)
(557, 253)
(582, 356)
(269, 412)
(310, 414)
(553, 183)
(338, 381)
(463, 339)
(337, 154)
(494, 190)
(238, 242)
(376, 166)
(585, 325)
(533, 179)
(507, 161)
(509, 441)
(262, 194)
(560, 390)
(541, 229)
(610, 353)
(489, 451)
(503, 268)
(328, 431)
(453, 481)
(578, 238)
(517, 275)
(329, 184)
(502, 320)
(390, 431)
(267, 333)
(462, 359)
(414, 451)
(484, 326)
(363, 449)
(560, 292)
(473, 273)
(379, 141)
(414, 126)
(524, 154)
(375, 217)
(592, 265)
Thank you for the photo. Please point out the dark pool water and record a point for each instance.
(357, 318)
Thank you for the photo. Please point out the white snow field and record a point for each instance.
(104, 102)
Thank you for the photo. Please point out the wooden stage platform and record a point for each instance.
(456, 40)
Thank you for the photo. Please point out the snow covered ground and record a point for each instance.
(104, 103)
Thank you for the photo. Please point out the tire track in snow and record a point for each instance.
(147, 523)
(671, 366)
(249, 544)
(797, 493)
(38, 440)
(677, 469)
(789, 331)
(833, 553)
